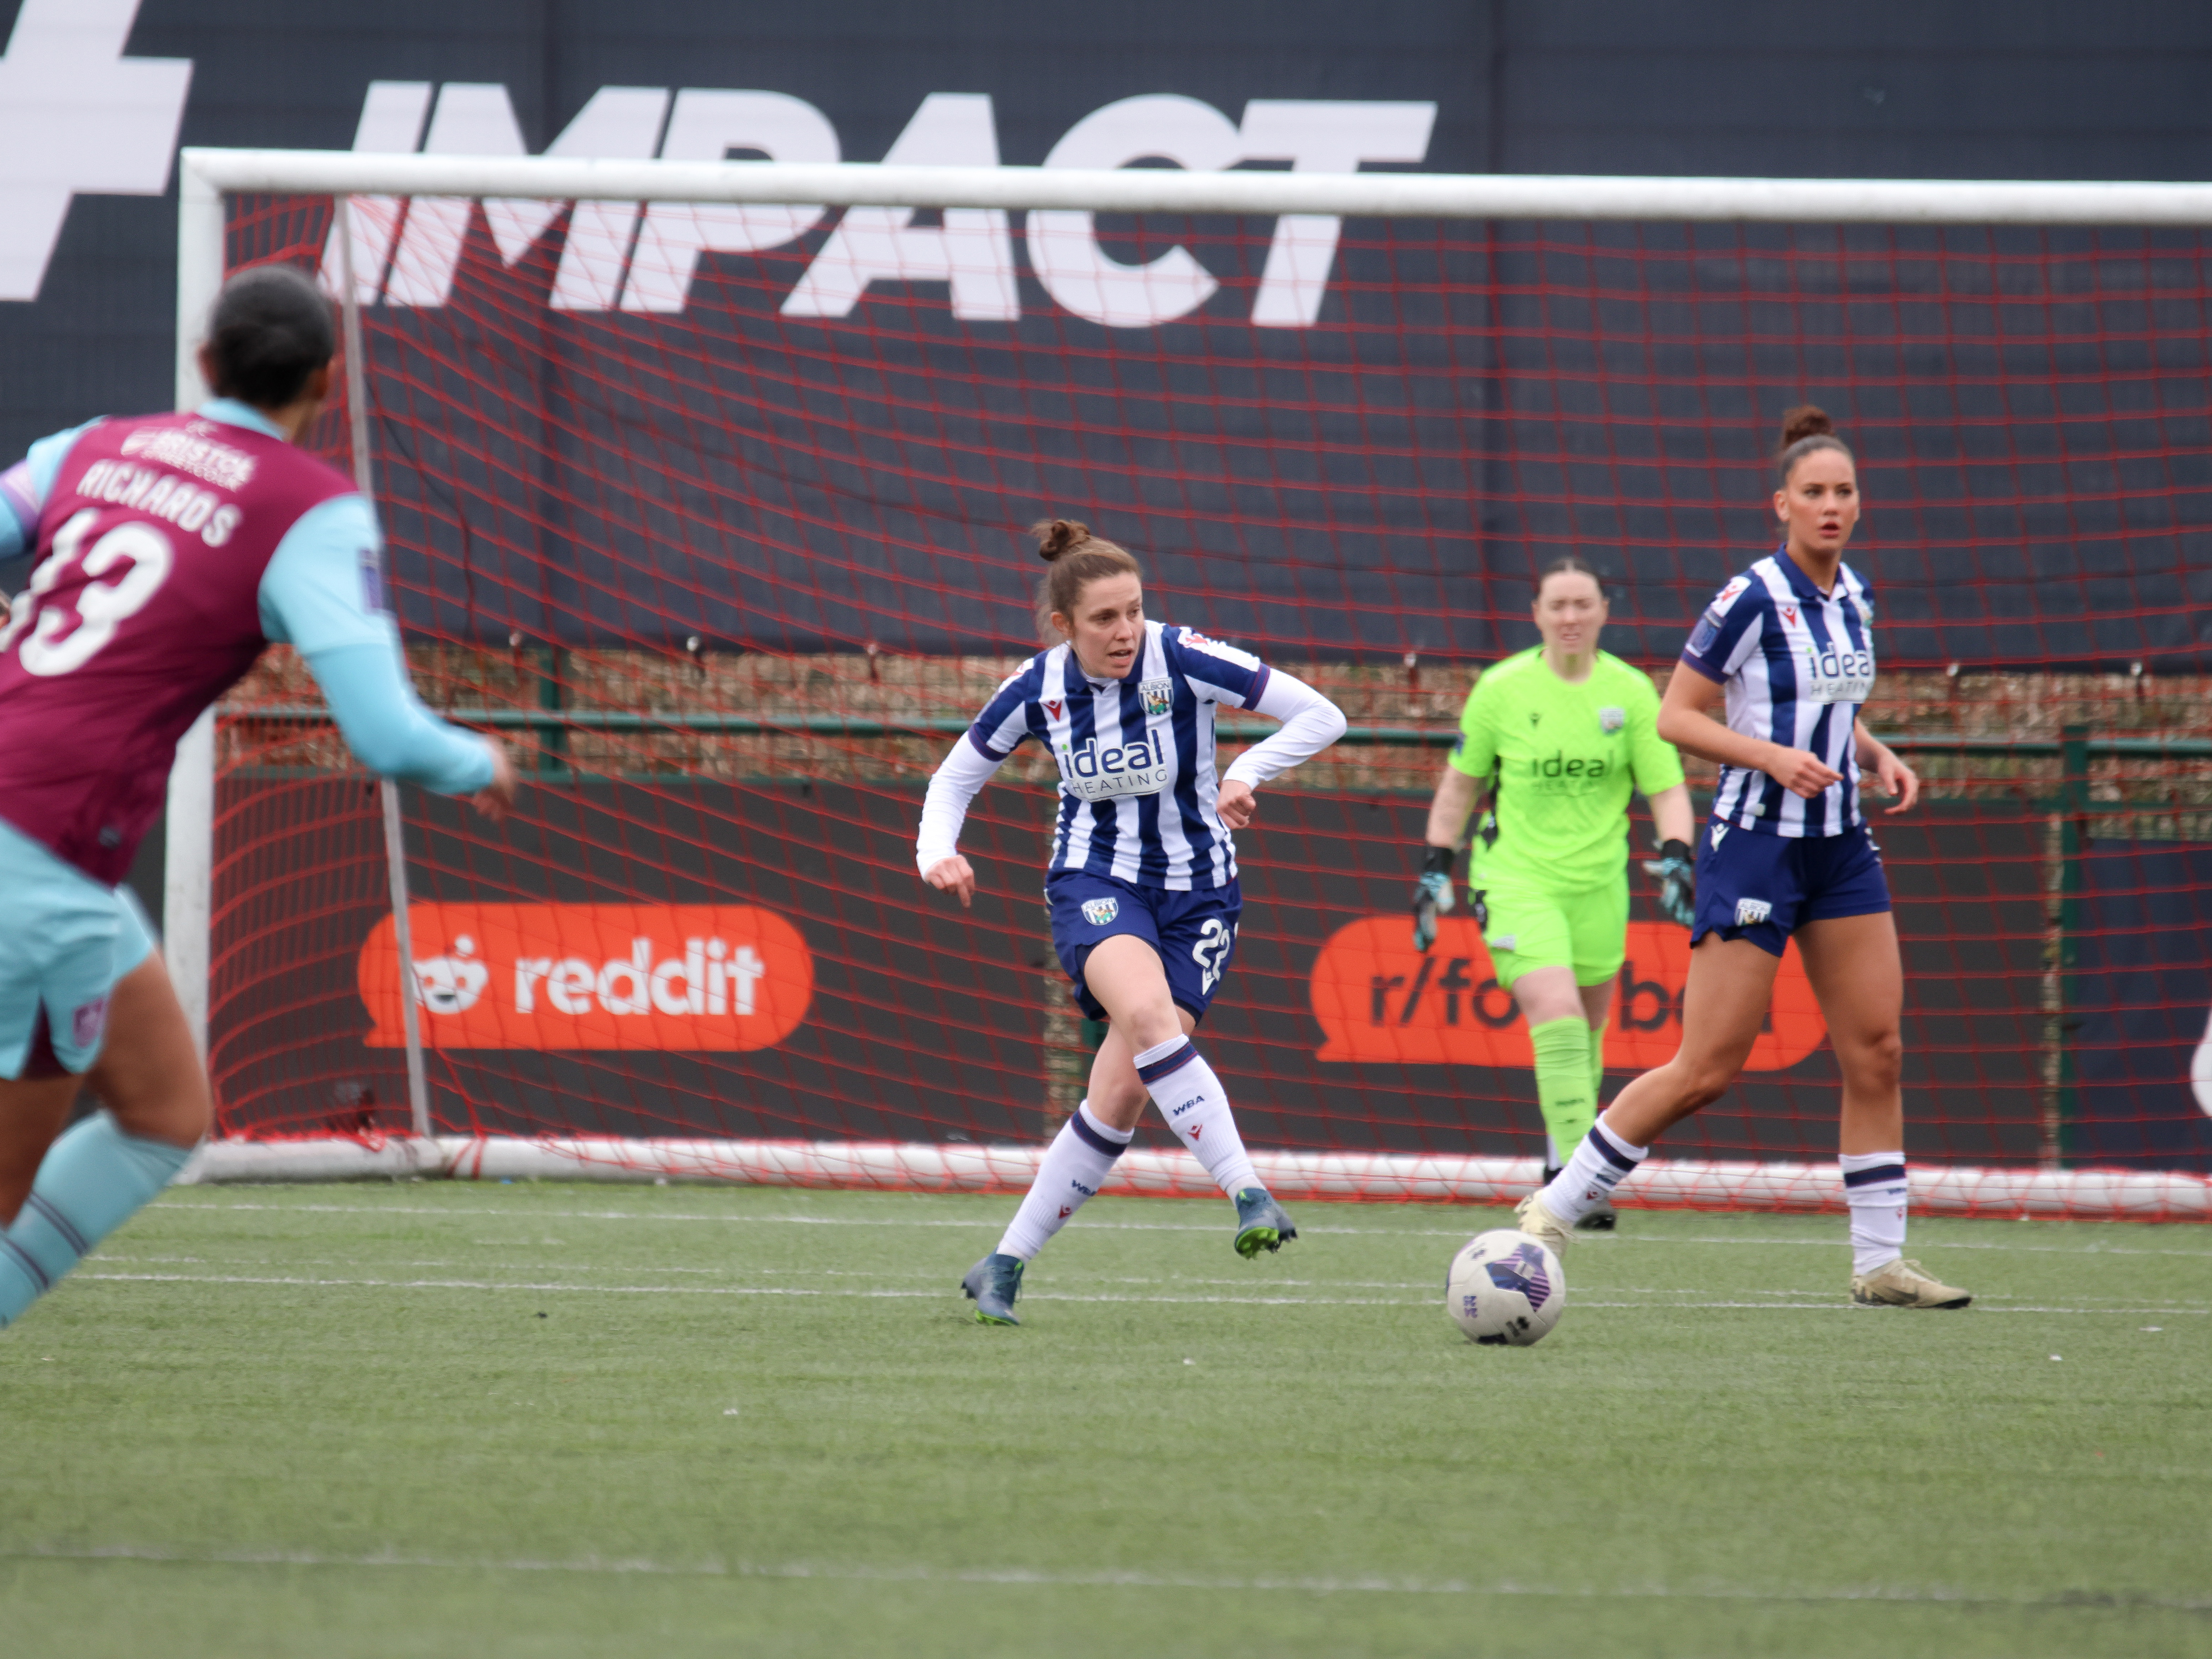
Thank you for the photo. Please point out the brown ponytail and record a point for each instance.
(1077, 558)
(1805, 429)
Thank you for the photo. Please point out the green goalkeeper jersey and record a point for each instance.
(1562, 761)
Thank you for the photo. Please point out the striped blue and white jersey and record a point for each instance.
(1797, 664)
(1136, 756)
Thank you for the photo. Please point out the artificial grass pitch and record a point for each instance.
(429, 1419)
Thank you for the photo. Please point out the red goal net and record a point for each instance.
(715, 518)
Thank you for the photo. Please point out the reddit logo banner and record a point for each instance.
(727, 977)
(1380, 1001)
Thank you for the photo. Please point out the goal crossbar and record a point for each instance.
(208, 174)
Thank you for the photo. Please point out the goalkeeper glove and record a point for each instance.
(1432, 893)
(1678, 882)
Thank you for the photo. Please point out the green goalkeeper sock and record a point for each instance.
(1562, 1080)
(1597, 1068)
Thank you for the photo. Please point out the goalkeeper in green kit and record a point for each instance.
(1552, 744)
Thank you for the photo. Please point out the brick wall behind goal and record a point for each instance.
(925, 1023)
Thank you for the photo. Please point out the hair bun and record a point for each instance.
(1058, 536)
(1806, 421)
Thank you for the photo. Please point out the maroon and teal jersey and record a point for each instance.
(144, 606)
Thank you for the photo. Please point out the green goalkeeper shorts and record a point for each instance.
(1531, 927)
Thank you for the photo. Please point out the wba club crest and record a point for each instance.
(1612, 720)
(1099, 912)
(1158, 697)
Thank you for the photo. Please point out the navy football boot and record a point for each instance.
(992, 1285)
(1262, 1223)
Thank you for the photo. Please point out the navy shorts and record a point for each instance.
(1765, 888)
(1196, 934)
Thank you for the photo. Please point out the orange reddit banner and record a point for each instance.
(1380, 1000)
(727, 976)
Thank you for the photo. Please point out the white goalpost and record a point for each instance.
(208, 177)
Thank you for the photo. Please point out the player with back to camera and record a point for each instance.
(1142, 878)
(1557, 738)
(170, 549)
(1789, 645)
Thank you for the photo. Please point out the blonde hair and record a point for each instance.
(1077, 559)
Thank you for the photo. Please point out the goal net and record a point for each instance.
(708, 497)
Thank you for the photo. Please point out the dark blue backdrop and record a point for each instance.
(2057, 502)
(2140, 1005)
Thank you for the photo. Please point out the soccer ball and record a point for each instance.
(1505, 1288)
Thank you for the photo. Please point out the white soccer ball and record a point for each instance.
(1504, 1289)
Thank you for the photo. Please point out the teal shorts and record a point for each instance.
(65, 942)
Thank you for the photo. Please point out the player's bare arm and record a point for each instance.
(496, 798)
(1673, 817)
(1685, 721)
(1895, 777)
(1458, 798)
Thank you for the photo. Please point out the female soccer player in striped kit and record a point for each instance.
(1558, 738)
(1142, 880)
(1789, 645)
(170, 549)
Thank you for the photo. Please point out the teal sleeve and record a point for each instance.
(387, 727)
(25, 487)
(323, 587)
(323, 594)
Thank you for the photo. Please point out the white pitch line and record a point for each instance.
(1033, 1296)
(1107, 1578)
(714, 1290)
(926, 1275)
(1853, 1307)
(986, 1224)
(2117, 1304)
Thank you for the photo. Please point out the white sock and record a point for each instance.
(1075, 1167)
(1601, 1163)
(1873, 1186)
(1191, 1098)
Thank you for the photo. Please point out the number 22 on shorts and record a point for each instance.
(1216, 939)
